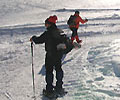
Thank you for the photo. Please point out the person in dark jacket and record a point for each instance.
(75, 27)
(52, 38)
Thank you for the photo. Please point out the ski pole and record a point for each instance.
(33, 71)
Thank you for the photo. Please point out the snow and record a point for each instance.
(90, 73)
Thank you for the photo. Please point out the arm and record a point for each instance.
(38, 40)
(81, 20)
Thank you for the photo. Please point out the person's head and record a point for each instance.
(50, 21)
(77, 12)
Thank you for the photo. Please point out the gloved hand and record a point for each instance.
(31, 39)
(86, 20)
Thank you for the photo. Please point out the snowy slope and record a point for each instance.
(90, 73)
(20, 12)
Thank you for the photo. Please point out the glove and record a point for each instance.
(31, 39)
(86, 20)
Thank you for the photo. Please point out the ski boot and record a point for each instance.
(49, 94)
(60, 92)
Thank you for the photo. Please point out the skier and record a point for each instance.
(74, 27)
(52, 39)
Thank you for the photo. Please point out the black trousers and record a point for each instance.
(51, 62)
(74, 31)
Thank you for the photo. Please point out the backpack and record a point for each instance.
(71, 20)
(67, 42)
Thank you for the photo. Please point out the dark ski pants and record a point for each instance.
(52, 62)
(74, 34)
(74, 31)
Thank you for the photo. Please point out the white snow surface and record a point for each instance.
(90, 73)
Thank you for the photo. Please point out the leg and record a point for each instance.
(72, 38)
(49, 73)
(59, 74)
(74, 33)
(77, 39)
(76, 36)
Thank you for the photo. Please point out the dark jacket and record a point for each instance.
(51, 38)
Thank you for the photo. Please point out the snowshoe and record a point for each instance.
(60, 92)
(76, 45)
(51, 95)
